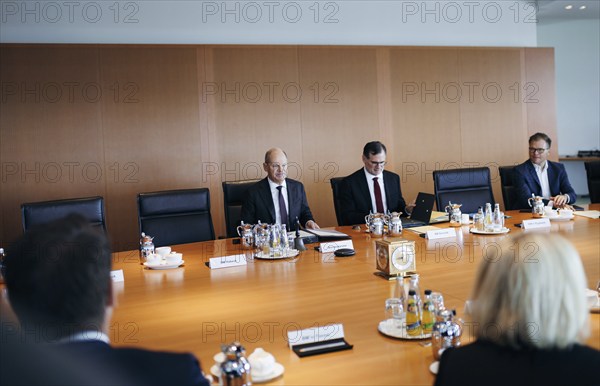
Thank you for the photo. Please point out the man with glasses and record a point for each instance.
(541, 177)
(371, 189)
(277, 199)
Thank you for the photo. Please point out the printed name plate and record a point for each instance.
(117, 276)
(315, 334)
(227, 261)
(536, 223)
(441, 233)
(333, 246)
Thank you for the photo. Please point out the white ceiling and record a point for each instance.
(555, 10)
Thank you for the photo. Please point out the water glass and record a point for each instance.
(438, 301)
(394, 310)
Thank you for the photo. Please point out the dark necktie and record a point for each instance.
(282, 210)
(378, 200)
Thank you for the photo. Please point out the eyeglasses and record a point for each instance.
(276, 166)
(537, 151)
(382, 163)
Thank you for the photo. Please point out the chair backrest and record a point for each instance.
(471, 187)
(36, 213)
(335, 187)
(592, 169)
(176, 216)
(508, 188)
(234, 193)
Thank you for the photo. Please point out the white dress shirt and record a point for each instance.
(275, 196)
(371, 185)
(84, 336)
(542, 173)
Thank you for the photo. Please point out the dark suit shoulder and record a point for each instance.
(137, 366)
(487, 363)
(293, 183)
(523, 167)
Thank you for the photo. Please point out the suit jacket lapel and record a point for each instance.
(293, 201)
(534, 177)
(552, 180)
(267, 198)
(363, 188)
(388, 186)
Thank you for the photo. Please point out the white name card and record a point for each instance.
(536, 223)
(315, 334)
(441, 233)
(333, 246)
(227, 261)
(117, 276)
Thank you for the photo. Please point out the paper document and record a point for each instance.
(327, 233)
(422, 229)
(588, 213)
(435, 215)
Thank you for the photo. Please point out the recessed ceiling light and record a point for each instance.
(569, 7)
(583, 7)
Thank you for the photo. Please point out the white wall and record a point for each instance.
(577, 56)
(342, 22)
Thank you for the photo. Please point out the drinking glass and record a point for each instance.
(394, 310)
(438, 301)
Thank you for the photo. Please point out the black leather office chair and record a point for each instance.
(592, 169)
(471, 187)
(508, 188)
(37, 213)
(234, 193)
(335, 187)
(176, 216)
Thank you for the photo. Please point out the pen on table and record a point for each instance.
(322, 346)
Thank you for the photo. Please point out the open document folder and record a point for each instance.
(328, 234)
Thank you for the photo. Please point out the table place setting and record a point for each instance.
(164, 258)
(285, 254)
(489, 232)
(262, 366)
(593, 299)
(559, 215)
(395, 328)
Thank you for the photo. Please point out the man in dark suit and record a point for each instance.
(541, 177)
(59, 285)
(371, 189)
(276, 198)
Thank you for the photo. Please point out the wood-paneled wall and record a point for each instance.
(114, 121)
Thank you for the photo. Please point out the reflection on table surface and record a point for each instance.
(193, 308)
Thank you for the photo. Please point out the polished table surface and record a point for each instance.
(193, 308)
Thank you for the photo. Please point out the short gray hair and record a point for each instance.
(531, 293)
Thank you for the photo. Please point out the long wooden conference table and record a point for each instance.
(193, 308)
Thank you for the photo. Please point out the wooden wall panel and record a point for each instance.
(427, 130)
(493, 129)
(539, 95)
(50, 137)
(172, 117)
(339, 115)
(251, 91)
(151, 132)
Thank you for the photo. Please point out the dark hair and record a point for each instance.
(538, 136)
(58, 277)
(373, 148)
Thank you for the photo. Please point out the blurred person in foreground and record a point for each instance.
(530, 315)
(59, 286)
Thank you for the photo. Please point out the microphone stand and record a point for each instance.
(298, 242)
